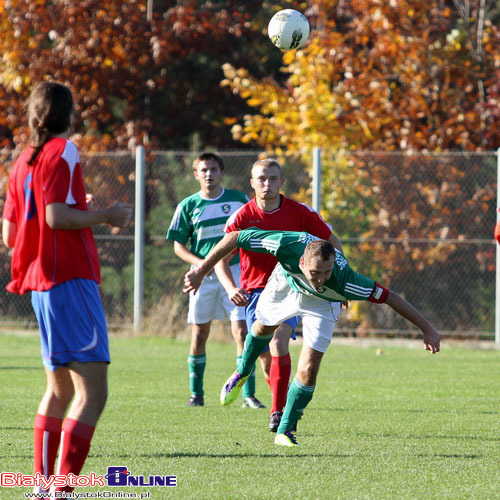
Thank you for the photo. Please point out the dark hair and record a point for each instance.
(319, 248)
(50, 107)
(209, 157)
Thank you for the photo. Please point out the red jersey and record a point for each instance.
(44, 257)
(289, 216)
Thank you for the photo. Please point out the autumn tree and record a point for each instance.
(136, 79)
(396, 76)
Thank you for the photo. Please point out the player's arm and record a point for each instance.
(185, 254)
(405, 309)
(9, 233)
(236, 295)
(335, 241)
(226, 246)
(10, 218)
(62, 216)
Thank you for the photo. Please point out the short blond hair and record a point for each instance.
(268, 163)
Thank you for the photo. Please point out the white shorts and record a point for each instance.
(212, 302)
(279, 302)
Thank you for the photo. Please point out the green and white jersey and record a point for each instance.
(288, 247)
(200, 221)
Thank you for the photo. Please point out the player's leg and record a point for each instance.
(90, 381)
(72, 330)
(301, 389)
(203, 308)
(239, 332)
(319, 318)
(281, 367)
(49, 418)
(254, 345)
(197, 361)
(248, 392)
(265, 360)
(239, 329)
(277, 303)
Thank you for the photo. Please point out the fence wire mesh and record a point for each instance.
(421, 224)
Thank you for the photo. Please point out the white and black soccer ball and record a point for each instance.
(288, 29)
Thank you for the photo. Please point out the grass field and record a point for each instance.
(400, 425)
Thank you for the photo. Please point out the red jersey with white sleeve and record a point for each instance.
(43, 257)
(289, 216)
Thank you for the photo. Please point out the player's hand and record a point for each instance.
(119, 214)
(432, 340)
(192, 280)
(90, 199)
(238, 296)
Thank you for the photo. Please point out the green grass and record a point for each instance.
(402, 425)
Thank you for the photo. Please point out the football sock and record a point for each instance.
(75, 446)
(47, 435)
(249, 386)
(196, 365)
(254, 346)
(297, 399)
(281, 367)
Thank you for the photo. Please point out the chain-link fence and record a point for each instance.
(421, 224)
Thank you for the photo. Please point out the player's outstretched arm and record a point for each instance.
(193, 278)
(405, 309)
(62, 216)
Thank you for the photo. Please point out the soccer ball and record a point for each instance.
(288, 29)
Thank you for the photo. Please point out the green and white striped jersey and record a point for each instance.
(200, 221)
(288, 247)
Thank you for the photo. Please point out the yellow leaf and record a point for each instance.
(289, 57)
(254, 102)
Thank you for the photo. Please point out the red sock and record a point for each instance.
(75, 446)
(281, 367)
(47, 434)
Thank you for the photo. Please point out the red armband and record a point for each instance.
(379, 294)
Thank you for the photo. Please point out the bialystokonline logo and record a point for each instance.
(120, 476)
(116, 476)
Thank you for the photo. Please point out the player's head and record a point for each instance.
(266, 179)
(318, 261)
(50, 110)
(208, 169)
(205, 157)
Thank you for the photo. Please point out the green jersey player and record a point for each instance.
(196, 227)
(311, 279)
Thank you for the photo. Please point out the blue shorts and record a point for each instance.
(72, 323)
(250, 313)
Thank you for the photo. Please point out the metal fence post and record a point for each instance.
(139, 236)
(497, 270)
(316, 179)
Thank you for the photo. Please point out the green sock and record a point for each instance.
(196, 365)
(254, 347)
(297, 399)
(249, 386)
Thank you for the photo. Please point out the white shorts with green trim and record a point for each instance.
(278, 302)
(212, 302)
